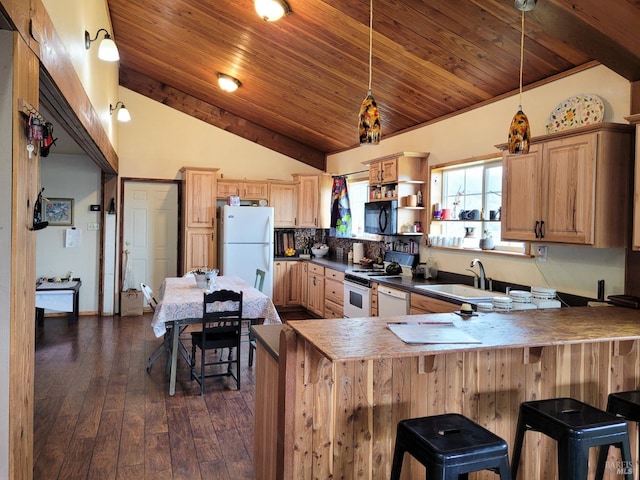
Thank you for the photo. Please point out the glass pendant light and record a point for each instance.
(520, 131)
(369, 116)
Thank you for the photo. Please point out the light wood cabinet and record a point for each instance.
(383, 172)
(199, 186)
(374, 299)
(199, 214)
(315, 289)
(304, 285)
(287, 283)
(635, 119)
(570, 188)
(333, 293)
(421, 304)
(245, 189)
(200, 249)
(314, 201)
(283, 197)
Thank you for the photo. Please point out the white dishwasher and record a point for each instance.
(392, 302)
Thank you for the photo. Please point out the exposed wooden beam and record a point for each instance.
(582, 25)
(220, 118)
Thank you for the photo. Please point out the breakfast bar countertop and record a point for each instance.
(369, 338)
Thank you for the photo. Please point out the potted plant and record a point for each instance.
(486, 242)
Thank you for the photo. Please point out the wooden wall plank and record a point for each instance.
(384, 428)
(23, 269)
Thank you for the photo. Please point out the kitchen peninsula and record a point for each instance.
(334, 390)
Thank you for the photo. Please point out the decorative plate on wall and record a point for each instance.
(576, 111)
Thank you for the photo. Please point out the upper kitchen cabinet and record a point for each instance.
(283, 197)
(245, 189)
(635, 120)
(199, 190)
(314, 201)
(397, 175)
(572, 187)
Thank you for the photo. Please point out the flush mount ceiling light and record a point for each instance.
(369, 116)
(228, 83)
(520, 131)
(272, 10)
(123, 114)
(107, 50)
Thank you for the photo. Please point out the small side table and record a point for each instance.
(61, 297)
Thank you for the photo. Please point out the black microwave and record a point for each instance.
(381, 217)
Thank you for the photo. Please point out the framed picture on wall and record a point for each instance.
(58, 211)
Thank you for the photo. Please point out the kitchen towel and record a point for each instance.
(358, 252)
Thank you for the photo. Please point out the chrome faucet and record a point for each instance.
(482, 275)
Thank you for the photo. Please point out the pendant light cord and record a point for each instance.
(371, 41)
(521, 55)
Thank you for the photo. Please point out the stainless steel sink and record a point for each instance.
(463, 293)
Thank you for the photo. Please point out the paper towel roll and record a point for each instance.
(358, 252)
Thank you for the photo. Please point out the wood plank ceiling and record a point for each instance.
(304, 77)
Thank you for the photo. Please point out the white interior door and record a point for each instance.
(150, 231)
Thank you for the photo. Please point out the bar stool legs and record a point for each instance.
(576, 427)
(626, 405)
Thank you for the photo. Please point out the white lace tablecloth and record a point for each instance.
(181, 299)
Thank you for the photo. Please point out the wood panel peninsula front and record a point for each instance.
(343, 385)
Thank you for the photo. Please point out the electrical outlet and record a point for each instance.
(542, 253)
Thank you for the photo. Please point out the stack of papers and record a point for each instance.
(430, 332)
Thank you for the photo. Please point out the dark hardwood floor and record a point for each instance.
(100, 415)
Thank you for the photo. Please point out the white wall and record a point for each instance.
(77, 177)
(570, 269)
(99, 79)
(159, 141)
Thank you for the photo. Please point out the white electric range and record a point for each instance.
(357, 282)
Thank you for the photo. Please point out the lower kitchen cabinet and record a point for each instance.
(315, 289)
(287, 283)
(333, 293)
(200, 249)
(374, 299)
(423, 304)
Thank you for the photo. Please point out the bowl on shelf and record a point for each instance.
(320, 250)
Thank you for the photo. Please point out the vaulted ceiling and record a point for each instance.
(305, 76)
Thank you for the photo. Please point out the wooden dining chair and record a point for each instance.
(221, 328)
(259, 284)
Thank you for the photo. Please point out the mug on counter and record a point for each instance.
(446, 214)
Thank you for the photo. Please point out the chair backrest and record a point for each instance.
(259, 282)
(222, 310)
(148, 295)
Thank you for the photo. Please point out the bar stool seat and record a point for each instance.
(626, 405)
(450, 446)
(576, 426)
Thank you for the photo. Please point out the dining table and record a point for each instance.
(181, 304)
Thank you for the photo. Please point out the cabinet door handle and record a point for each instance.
(535, 229)
(541, 228)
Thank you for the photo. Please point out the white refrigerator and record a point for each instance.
(245, 240)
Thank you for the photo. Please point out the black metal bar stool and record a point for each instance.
(450, 446)
(627, 405)
(576, 426)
